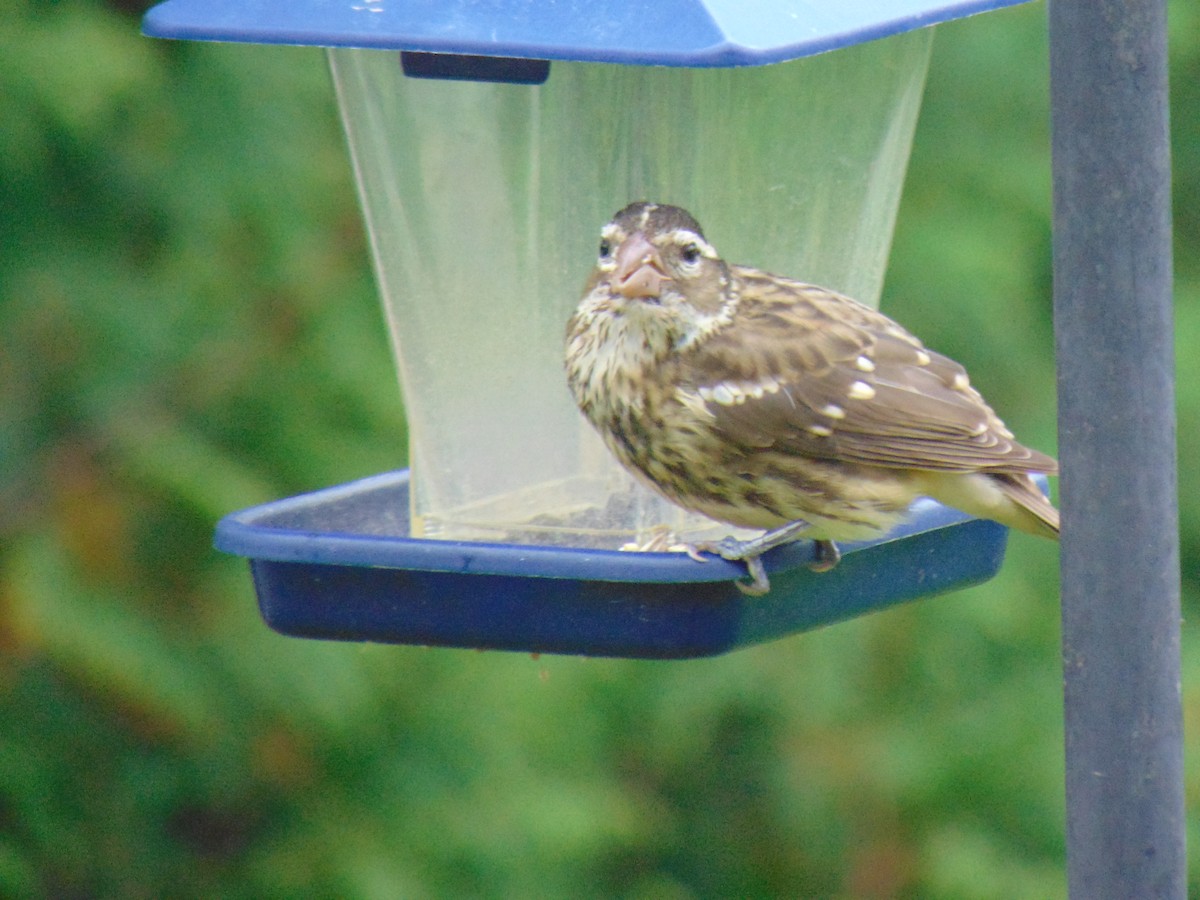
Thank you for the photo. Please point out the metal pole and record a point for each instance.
(1120, 544)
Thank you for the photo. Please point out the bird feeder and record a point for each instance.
(490, 143)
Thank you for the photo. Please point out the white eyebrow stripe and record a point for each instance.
(681, 236)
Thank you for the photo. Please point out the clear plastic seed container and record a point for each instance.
(484, 203)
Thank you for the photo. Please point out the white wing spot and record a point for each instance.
(833, 411)
(759, 388)
(728, 393)
(860, 390)
(961, 382)
(821, 430)
(923, 358)
(722, 394)
(864, 364)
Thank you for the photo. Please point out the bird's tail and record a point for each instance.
(1010, 498)
(1034, 513)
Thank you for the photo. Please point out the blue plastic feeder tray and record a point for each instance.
(339, 564)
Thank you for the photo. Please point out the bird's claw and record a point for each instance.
(826, 556)
(759, 584)
(735, 551)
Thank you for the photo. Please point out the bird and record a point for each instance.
(768, 403)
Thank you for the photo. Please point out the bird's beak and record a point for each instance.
(640, 271)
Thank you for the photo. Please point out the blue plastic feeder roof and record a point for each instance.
(661, 33)
(342, 564)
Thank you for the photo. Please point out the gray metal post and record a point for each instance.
(1120, 546)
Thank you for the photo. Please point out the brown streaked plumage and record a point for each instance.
(768, 403)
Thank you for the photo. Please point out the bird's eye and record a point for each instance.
(605, 248)
(690, 253)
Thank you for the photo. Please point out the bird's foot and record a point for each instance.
(735, 551)
(751, 551)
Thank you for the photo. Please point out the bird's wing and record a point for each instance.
(807, 371)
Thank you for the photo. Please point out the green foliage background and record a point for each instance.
(188, 326)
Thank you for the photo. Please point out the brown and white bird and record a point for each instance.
(768, 403)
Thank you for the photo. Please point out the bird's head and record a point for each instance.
(654, 265)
